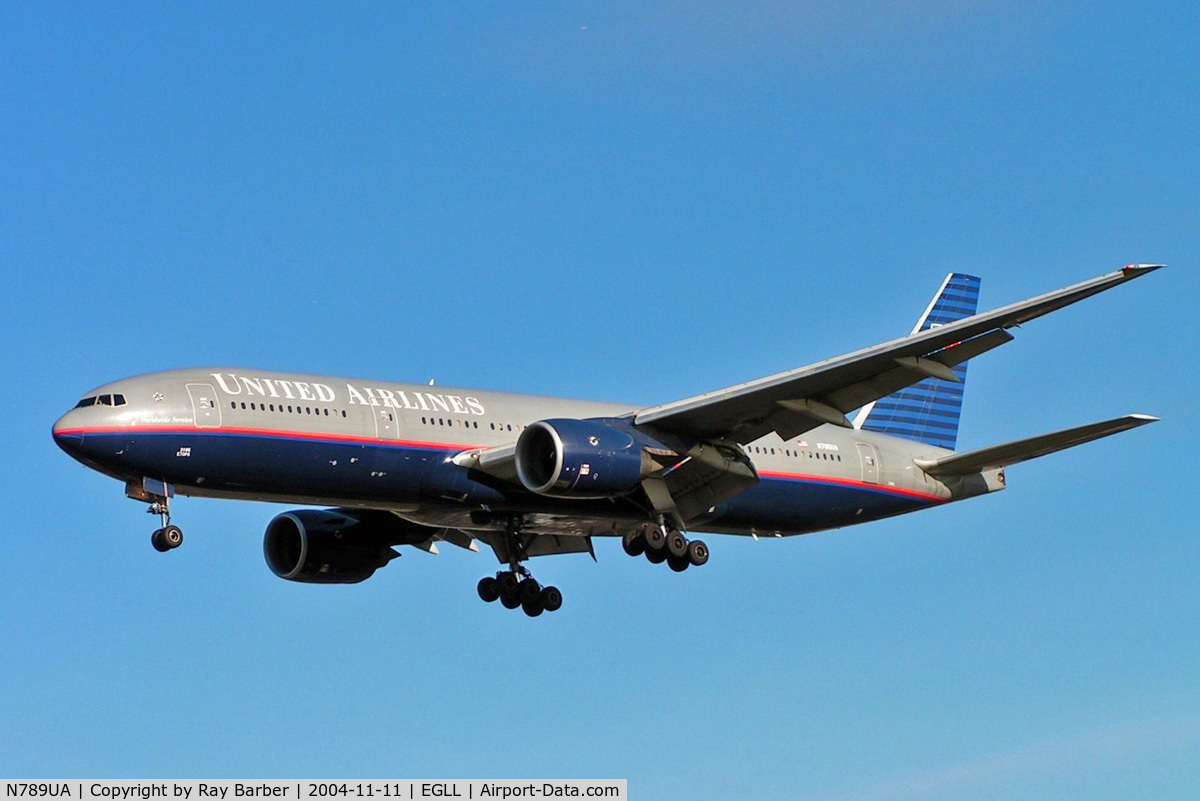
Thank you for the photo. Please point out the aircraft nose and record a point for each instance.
(68, 435)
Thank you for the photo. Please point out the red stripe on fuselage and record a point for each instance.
(264, 432)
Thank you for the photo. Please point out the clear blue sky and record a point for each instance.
(622, 201)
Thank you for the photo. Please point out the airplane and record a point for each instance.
(418, 465)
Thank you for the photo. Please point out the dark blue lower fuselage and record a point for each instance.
(421, 478)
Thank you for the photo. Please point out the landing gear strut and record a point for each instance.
(664, 543)
(517, 586)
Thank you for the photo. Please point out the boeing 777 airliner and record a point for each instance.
(409, 464)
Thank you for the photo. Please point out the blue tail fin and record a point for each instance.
(929, 411)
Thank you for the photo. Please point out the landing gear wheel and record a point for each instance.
(697, 552)
(656, 538)
(534, 607)
(508, 582)
(634, 544)
(528, 591)
(489, 589)
(156, 540)
(166, 538)
(678, 563)
(172, 536)
(677, 544)
(656, 557)
(552, 599)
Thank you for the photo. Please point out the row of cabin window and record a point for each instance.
(833, 457)
(449, 421)
(103, 400)
(262, 407)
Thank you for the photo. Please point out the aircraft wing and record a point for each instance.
(795, 401)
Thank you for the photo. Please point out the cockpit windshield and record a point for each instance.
(101, 400)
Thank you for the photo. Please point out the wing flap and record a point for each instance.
(905, 373)
(961, 464)
(539, 544)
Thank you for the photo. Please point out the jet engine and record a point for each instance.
(328, 546)
(580, 459)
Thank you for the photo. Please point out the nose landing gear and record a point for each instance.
(170, 536)
(158, 495)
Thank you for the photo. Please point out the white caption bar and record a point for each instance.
(298, 790)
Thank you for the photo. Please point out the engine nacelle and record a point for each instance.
(318, 546)
(580, 459)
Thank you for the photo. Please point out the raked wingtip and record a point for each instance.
(1134, 270)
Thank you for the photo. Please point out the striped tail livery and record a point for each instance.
(929, 410)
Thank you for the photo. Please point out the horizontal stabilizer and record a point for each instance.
(1021, 450)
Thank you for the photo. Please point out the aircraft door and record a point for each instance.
(386, 423)
(870, 463)
(205, 407)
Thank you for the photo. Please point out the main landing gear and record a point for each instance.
(516, 586)
(662, 543)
